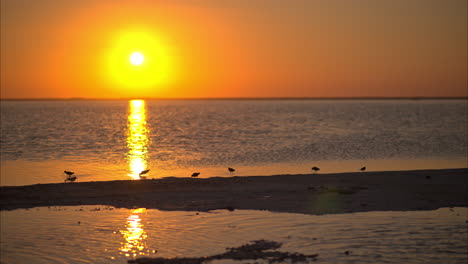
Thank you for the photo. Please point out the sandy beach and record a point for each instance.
(308, 194)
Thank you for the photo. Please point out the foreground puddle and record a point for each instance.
(102, 234)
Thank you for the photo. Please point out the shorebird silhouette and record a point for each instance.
(231, 170)
(315, 169)
(69, 176)
(362, 169)
(195, 174)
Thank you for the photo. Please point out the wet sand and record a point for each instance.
(308, 194)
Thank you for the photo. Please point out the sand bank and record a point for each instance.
(308, 194)
(252, 251)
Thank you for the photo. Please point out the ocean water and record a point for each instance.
(102, 234)
(112, 140)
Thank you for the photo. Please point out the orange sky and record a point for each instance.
(238, 48)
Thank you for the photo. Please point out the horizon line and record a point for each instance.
(241, 98)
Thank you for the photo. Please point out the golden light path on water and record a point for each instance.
(137, 138)
(135, 236)
(137, 156)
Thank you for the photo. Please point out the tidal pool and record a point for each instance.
(103, 234)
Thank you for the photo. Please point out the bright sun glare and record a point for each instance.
(138, 62)
(137, 58)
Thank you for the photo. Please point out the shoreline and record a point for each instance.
(301, 193)
(239, 98)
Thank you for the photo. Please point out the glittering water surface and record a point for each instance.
(107, 140)
(99, 234)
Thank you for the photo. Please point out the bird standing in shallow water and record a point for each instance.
(69, 176)
(195, 174)
(231, 170)
(315, 169)
(362, 169)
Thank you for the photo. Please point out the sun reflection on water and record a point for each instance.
(135, 236)
(137, 138)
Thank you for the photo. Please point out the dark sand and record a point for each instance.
(259, 249)
(308, 194)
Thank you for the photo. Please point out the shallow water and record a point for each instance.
(101, 234)
(109, 140)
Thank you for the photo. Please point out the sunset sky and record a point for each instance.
(233, 48)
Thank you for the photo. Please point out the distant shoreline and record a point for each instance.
(237, 98)
(304, 193)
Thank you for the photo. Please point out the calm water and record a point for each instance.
(106, 140)
(109, 235)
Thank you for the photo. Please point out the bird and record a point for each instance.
(69, 176)
(195, 174)
(70, 179)
(362, 169)
(315, 169)
(231, 170)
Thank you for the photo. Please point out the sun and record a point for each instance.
(137, 58)
(138, 62)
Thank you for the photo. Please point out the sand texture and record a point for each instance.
(308, 194)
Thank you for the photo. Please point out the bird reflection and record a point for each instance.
(137, 138)
(135, 236)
